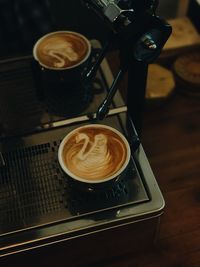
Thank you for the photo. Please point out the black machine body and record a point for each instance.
(136, 31)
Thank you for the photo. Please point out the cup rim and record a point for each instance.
(77, 178)
(65, 68)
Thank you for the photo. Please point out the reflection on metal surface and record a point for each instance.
(83, 118)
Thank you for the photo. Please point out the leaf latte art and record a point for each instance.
(94, 153)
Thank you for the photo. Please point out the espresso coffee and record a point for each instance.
(94, 153)
(62, 50)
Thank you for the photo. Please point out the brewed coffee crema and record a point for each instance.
(60, 50)
(94, 153)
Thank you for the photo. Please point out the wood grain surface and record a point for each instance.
(171, 140)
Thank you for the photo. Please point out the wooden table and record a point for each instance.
(171, 139)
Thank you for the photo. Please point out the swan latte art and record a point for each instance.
(94, 153)
(62, 49)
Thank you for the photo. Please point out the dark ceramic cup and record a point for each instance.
(94, 156)
(64, 58)
(62, 55)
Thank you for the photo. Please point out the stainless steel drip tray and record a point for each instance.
(37, 205)
(34, 193)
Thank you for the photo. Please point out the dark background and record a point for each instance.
(66, 15)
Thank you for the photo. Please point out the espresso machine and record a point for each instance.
(140, 36)
(42, 218)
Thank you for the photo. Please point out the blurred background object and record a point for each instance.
(187, 73)
(160, 84)
(184, 37)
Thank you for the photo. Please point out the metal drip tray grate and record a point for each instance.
(19, 105)
(29, 184)
(33, 189)
(26, 102)
(36, 198)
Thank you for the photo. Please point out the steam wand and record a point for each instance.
(92, 72)
(140, 36)
(104, 107)
(135, 55)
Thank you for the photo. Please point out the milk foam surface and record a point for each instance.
(62, 50)
(94, 153)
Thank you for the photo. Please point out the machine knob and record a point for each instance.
(149, 42)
